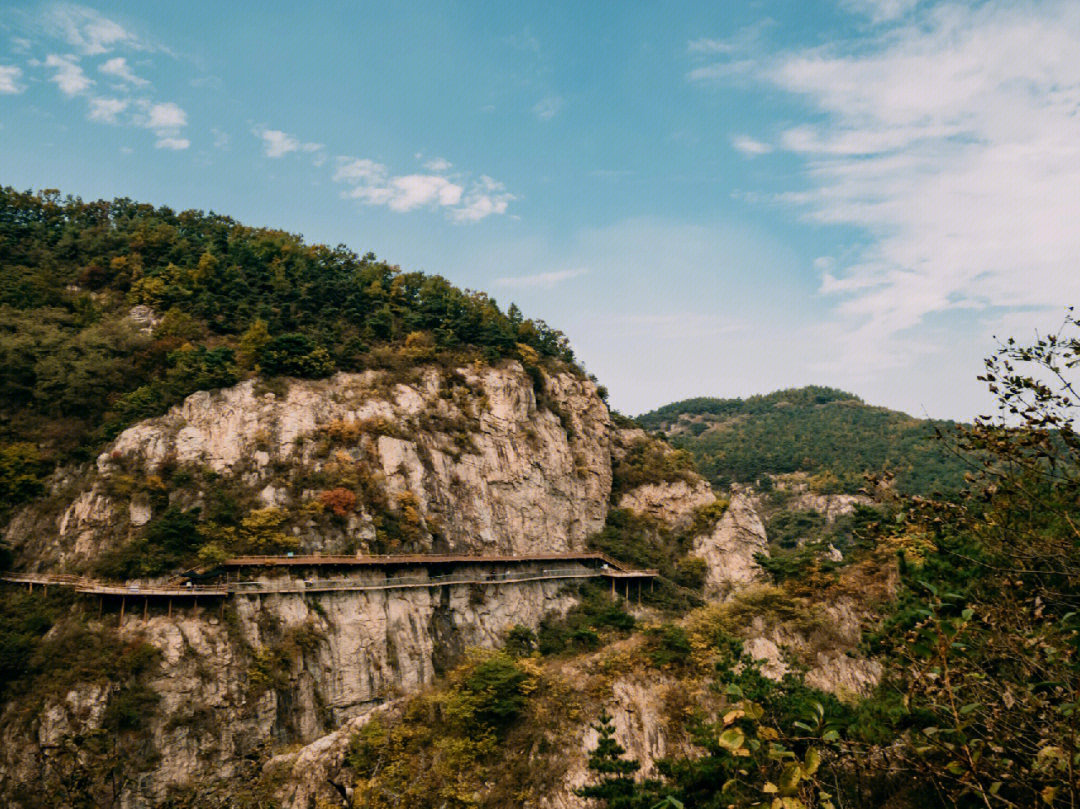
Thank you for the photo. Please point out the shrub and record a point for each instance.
(340, 501)
(295, 355)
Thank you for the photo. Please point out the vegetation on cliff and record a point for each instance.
(831, 435)
(110, 312)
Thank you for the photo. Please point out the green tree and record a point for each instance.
(613, 773)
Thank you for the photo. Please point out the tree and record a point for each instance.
(615, 784)
(295, 355)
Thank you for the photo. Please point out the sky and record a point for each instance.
(709, 199)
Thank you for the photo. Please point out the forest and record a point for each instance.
(826, 433)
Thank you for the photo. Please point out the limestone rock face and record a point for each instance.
(344, 657)
(484, 468)
(831, 662)
(830, 506)
(729, 550)
(671, 502)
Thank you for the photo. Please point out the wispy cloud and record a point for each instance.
(750, 146)
(372, 183)
(547, 108)
(733, 56)
(881, 10)
(484, 198)
(67, 74)
(175, 144)
(545, 280)
(951, 137)
(706, 45)
(165, 117)
(278, 144)
(119, 68)
(9, 79)
(82, 41)
(105, 110)
(88, 31)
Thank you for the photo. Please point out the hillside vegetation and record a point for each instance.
(110, 312)
(826, 433)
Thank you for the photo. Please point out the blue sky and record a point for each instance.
(716, 198)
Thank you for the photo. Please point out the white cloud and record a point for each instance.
(89, 32)
(165, 118)
(119, 68)
(416, 190)
(221, 138)
(881, 10)
(105, 110)
(709, 46)
(545, 280)
(749, 146)
(547, 108)
(438, 164)
(176, 144)
(278, 144)
(721, 70)
(372, 183)
(485, 197)
(358, 170)
(69, 77)
(9, 79)
(951, 139)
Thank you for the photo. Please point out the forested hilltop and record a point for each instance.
(110, 312)
(833, 436)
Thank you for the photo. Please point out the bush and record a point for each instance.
(667, 645)
(498, 683)
(295, 355)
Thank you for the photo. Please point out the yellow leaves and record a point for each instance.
(731, 739)
(528, 354)
(789, 778)
(811, 761)
(787, 803)
(731, 716)
(148, 290)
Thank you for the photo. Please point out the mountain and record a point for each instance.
(287, 527)
(832, 436)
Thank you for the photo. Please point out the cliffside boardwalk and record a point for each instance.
(400, 572)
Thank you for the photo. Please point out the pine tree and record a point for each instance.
(615, 783)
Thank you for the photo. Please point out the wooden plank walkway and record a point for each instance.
(609, 569)
(394, 560)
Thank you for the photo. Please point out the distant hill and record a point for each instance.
(829, 434)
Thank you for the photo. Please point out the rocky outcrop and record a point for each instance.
(730, 549)
(671, 502)
(482, 465)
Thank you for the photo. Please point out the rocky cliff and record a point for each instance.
(470, 460)
(464, 460)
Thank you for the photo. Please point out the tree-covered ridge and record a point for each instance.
(221, 301)
(831, 435)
